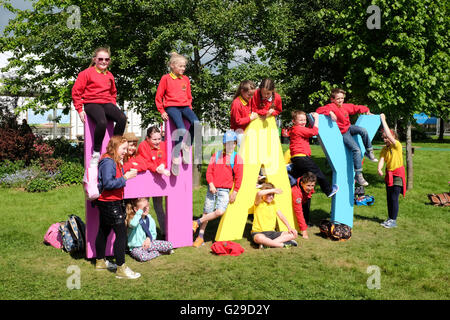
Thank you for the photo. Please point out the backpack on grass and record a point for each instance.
(440, 199)
(364, 200)
(53, 236)
(73, 234)
(335, 231)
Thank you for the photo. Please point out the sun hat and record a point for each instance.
(229, 136)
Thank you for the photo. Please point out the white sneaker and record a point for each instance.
(124, 272)
(94, 159)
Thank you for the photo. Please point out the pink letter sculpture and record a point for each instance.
(178, 191)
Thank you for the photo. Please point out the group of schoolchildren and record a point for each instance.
(94, 94)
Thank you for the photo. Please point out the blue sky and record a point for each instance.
(5, 15)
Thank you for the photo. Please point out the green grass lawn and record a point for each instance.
(413, 259)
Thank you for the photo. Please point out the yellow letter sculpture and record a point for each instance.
(261, 146)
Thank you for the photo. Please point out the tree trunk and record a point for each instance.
(441, 129)
(409, 158)
(196, 163)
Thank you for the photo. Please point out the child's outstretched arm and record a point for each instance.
(264, 192)
(386, 129)
(380, 166)
(290, 229)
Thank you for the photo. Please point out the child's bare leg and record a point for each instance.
(210, 216)
(262, 239)
(275, 243)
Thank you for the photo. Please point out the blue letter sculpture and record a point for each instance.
(341, 162)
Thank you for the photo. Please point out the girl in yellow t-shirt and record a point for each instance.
(392, 155)
(265, 219)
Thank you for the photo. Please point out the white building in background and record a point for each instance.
(71, 127)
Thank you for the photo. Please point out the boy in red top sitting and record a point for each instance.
(339, 112)
(300, 150)
(301, 200)
(225, 169)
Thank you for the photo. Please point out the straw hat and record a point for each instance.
(130, 136)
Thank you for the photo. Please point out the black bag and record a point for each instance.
(73, 233)
(335, 231)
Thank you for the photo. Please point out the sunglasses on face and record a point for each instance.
(103, 59)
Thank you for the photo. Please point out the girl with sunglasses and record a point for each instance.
(94, 94)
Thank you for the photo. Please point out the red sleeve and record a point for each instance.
(78, 90)
(254, 102)
(238, 172)
(160, 95)
(354, 109)
(325, 110)
(210, 170)
(143, 150)
(297, 207)
(137, 162)
(278, 105)
(188, 91)
(235, 115)
(113, 91)
(303, 132)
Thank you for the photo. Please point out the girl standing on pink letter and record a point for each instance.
(174, 100)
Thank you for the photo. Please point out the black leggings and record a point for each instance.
(112, 217)
(302, 165)
(101, 113)
(392, 194)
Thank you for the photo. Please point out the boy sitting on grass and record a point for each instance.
(265, 220)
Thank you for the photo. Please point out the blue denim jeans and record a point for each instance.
(218, 201)
(177, 114)
(351, 144)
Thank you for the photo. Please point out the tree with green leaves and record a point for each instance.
(54, 41)
(395, 55)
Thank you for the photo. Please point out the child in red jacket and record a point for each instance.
(240, 114)
(224, 171)
(153, 150)
(266, 102)
(95, 90)
(339, 112)
(174, 100)
(112, 180)
(133, 160)
(301, 200)
(300, 151)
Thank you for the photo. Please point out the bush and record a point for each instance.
(66, 150)
(20, 178)
(8, 167)
(16, 146)
(70, 173)
(41, 185)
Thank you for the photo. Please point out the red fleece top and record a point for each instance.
(221, 174)
(399, 172)
(262, 106)
(92, 86)
(239, 114)
(135, 162)
(154, 157)
(299, 139)
(342, 113)
(173, 92)
(299, 197)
